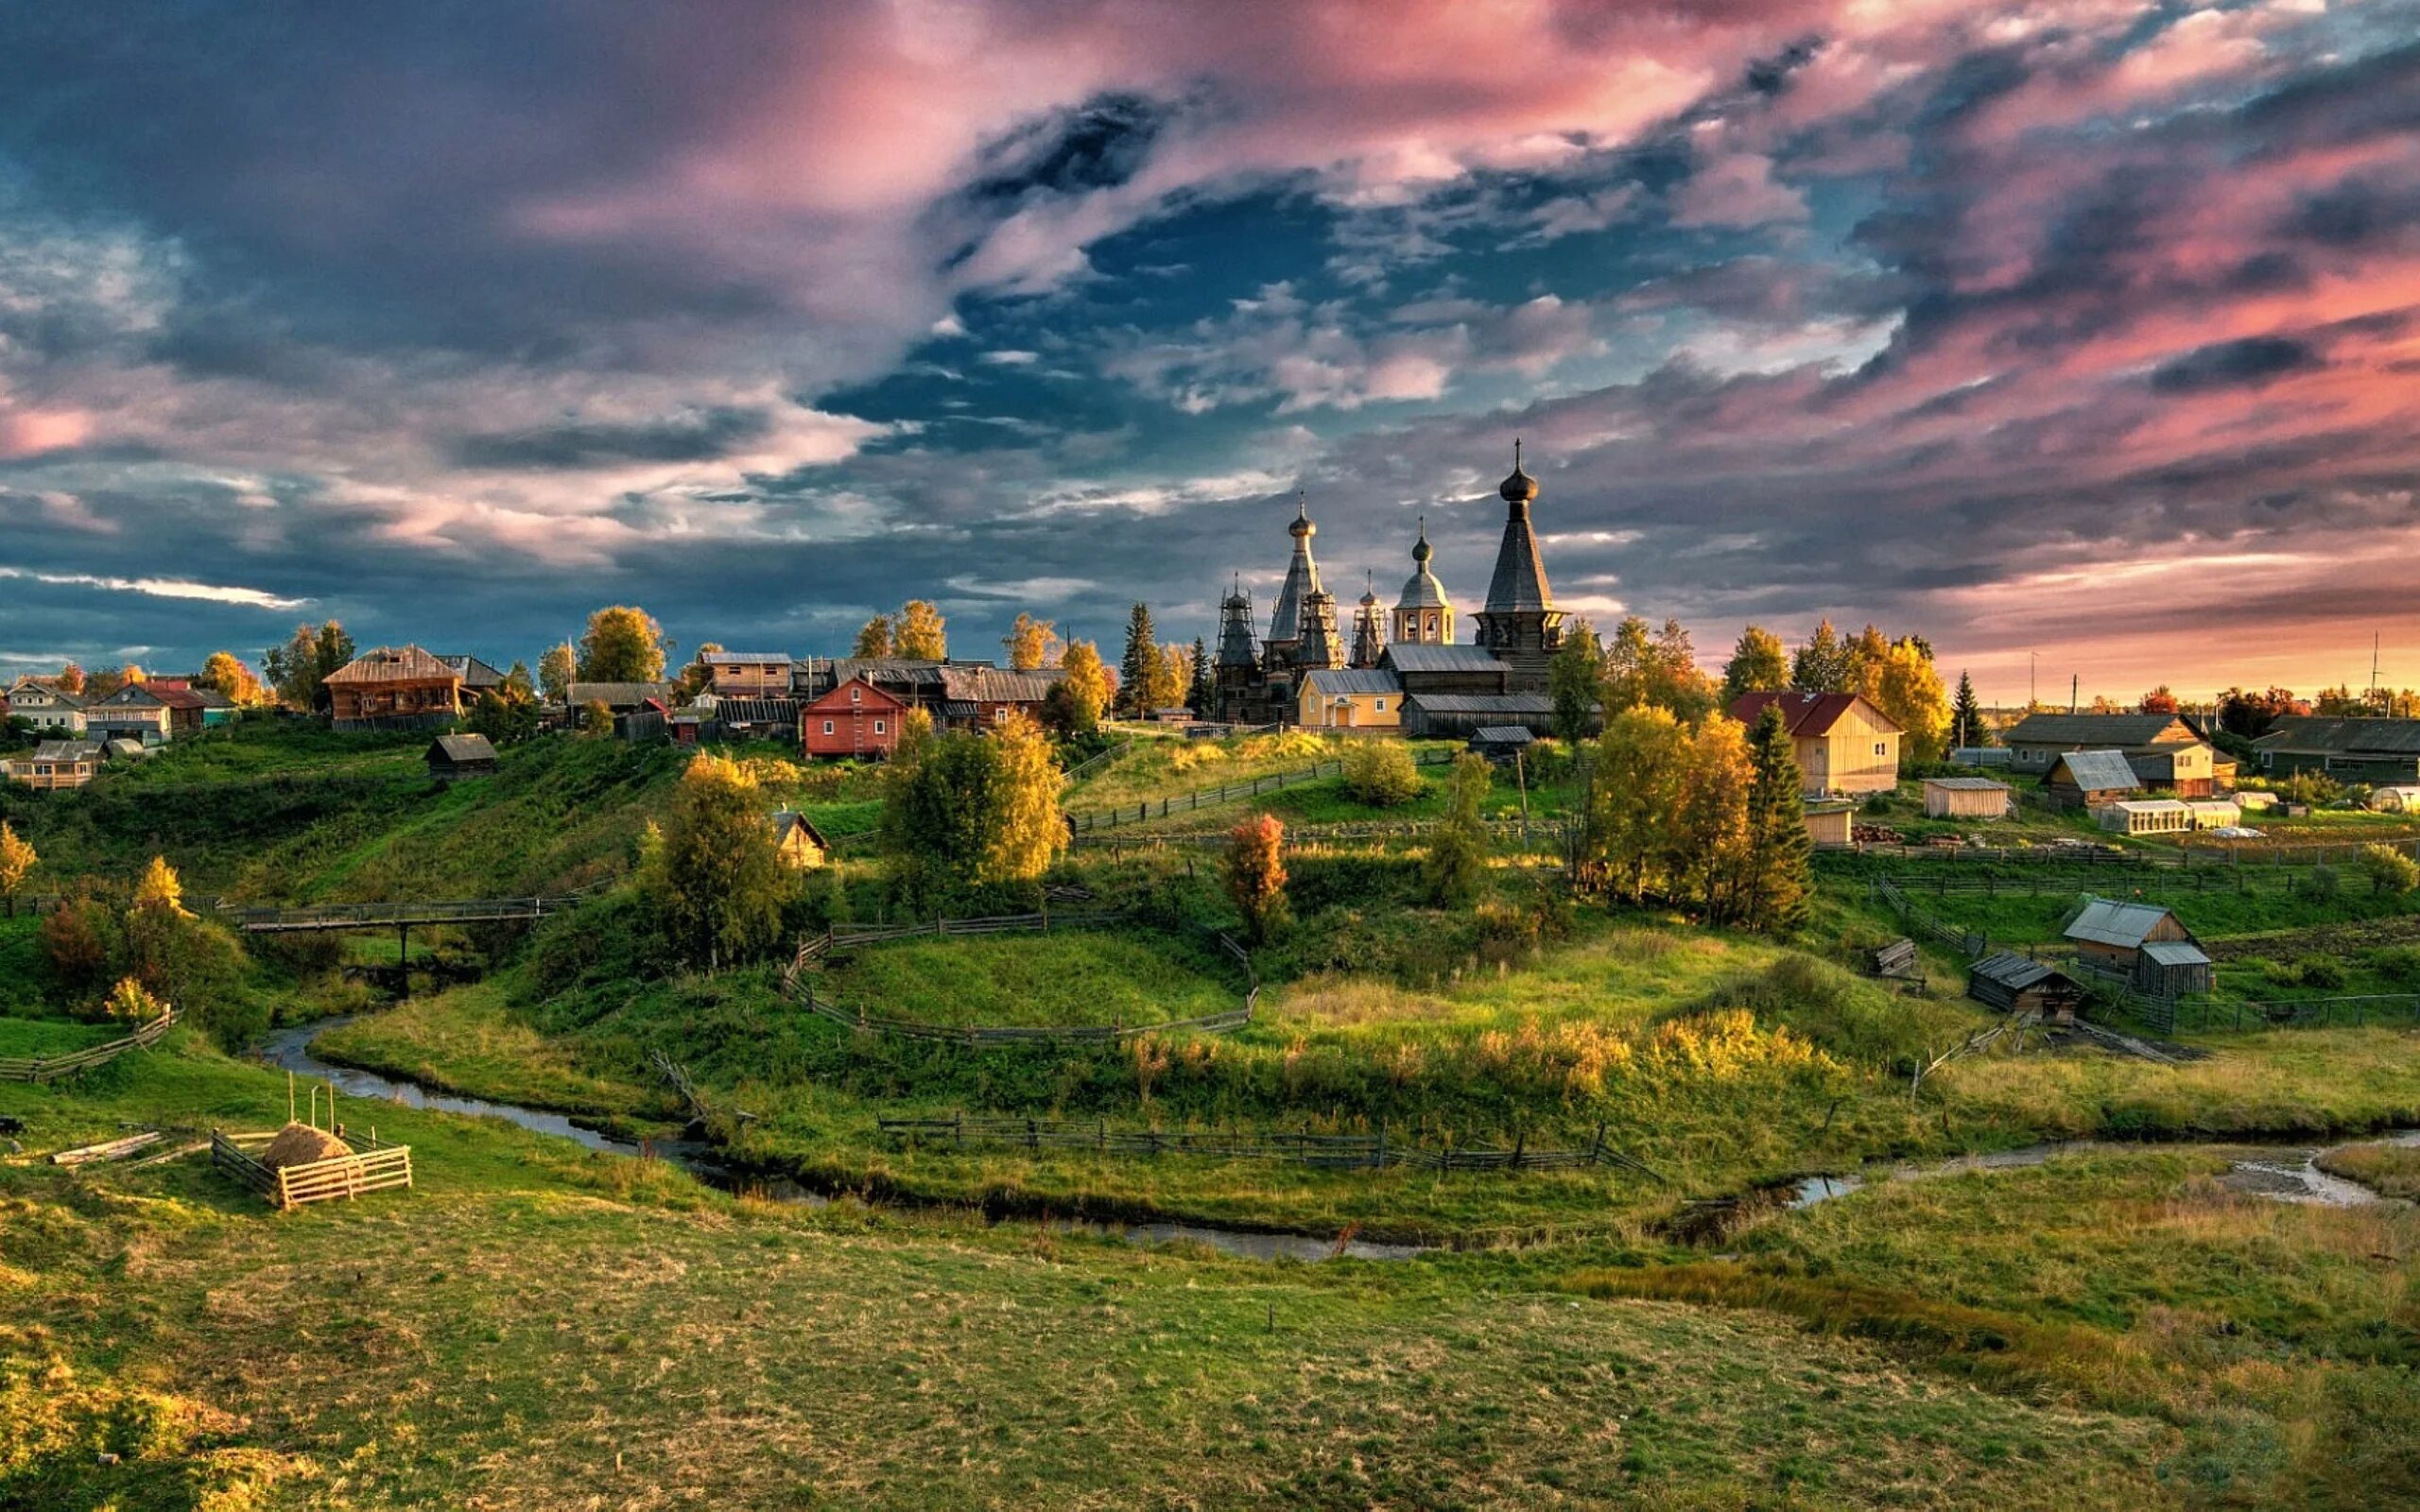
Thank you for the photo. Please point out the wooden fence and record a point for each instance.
(1331, 1151)
(50, 1068)
(1210, 797)
(2248, 1015)
(279, 920)
(1974, 944)
(373, 1166)
(1553, 833)
(798, 982)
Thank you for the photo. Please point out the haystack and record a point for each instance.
(300, 1144)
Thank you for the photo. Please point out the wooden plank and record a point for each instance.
(106, 1150)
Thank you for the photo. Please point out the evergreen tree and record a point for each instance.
(1677, 683)
(1458, 847)
(1575, 680)
(722, 880)
(1966, 723)
(1778, 876)
(1139, 664)
(921, 633)
(1822, 665)
(1202, 697)
(557, 667)
(1759, 663)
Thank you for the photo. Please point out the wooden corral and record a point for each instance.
(371, 1165)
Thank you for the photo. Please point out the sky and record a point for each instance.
(2082, 336)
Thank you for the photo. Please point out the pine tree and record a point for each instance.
(1967, 725)
(1458, 847)
(1575, 680)
(1141, 662)
(1778, 875)
(1204, 694)
(1759, 663)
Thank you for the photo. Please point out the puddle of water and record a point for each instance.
(291, 1049)
(2285, 1174)
(1809, 1191)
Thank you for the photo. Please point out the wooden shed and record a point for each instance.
(1965, 797)
(2146, 945)
(797, 840)
(2020, 983)
(451, 758)
(1501, 743)
(1831, 822)
(2090, 779)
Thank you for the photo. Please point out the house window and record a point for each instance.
(877, 727)
(1000, 716)
(1378, 705)
(828, 727)
(857, 695)
(1881, 748)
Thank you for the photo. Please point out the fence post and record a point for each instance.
(1382, 1144)
(1597, 1148)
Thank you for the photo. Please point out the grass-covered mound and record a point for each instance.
(1071, 975)
(52, 1037)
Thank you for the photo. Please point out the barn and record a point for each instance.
(2143, 944)
(1965, 797)
(2020, 983)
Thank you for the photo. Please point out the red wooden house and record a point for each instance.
(854, 719)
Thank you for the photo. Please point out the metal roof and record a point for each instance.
(1537, 704)
(395, 663)
(1504, 734)
(1333, 681)
(2175, 953)
(1409, 655)
(1966, 784)
(2089, 729)
(2317, 735)
(464, 747)
(475, 673)
(617, 695)
(2113, 922)
(1805, 713)
(2098, 771)
(66, 750)
(998, 684)
(731, 658)
(758, 710)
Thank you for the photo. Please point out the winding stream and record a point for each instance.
(2284, 1173)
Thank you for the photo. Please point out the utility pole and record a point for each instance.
(2033, 678)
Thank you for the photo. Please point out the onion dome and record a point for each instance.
(1519, 488)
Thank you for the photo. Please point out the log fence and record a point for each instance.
(1200, 798)
(373, 1165)
(39, 1069)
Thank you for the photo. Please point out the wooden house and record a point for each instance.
(1461, 715)
(2144, 945)
(140, 711)
(982, 698)
(47, 707)
(2037, 740)
(855, 719)
(2146, 816)
(57, 763)
(2355, 750)
(478, 676)
(798, 843)
(758, 718)
(396, 686)
(748, 674)
(1427, 668)
(2018, 983)
(452, 758)
(1843, 742)
(2090, 779)
(2187, 769)
(622, 697)
(1965, 797)
(1349, 698)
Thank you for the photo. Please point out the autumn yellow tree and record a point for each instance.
(17, 861)
(1085, 679)
(721, 882)
(921, 633)
(231, 678)
(874, 639)
(1907, 689)
(558, 665)
(622, 645)
(1634, 787)
(161, 888)
(1029, 831)
(130, 1003)
(1254, 870)
(1031, 643)
(1170, 678)
(1707, 852)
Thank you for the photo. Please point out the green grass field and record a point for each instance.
(1068, 976)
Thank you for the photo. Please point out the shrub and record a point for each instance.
(2389, 870)
(1381, 773)
(2324, 882)
(2320, 971)
(76, 940)
(1255, 875)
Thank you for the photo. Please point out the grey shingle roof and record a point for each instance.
(2013, 970)
(1532, 705)
(1504, 734)
(2089, 729)
(2114, 921)
(2175, 953)
(1405, 656)
(2315, 735)
(1333, 681)
(465, 748)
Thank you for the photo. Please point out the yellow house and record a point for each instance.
(1843, 744)
(1349, 698)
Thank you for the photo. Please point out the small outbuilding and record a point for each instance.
(1965, 797)
(2090, 779)
(1501, 743)
(1831, 821)
(798, 842)
(2396, 799)
(2143, 943)
(2020, 983)
(1981, 756)
(452, 758)
(2148, 816)
(2215, 813)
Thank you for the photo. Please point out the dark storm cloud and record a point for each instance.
(2248, 363)
(685, 438)
(1098, 144)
